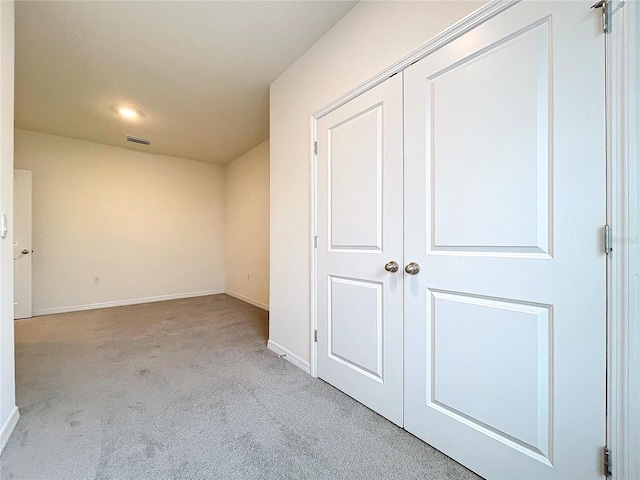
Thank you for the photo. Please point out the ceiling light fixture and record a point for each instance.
(128, 112)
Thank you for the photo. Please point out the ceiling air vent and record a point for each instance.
(142, 141)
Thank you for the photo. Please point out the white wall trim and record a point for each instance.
(121, 303)
(8, 427)
(251, 301)
(623, 264)
(288, 356)
(468, 23)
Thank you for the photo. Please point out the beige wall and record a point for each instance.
(370, 38)
(150, 226)
(8, 410)
(247, 227)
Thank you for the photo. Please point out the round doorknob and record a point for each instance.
(25, 251)
(392, 266)
(412, 269)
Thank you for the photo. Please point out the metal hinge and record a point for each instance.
(604, 5)
(315, 335)
(607, 462)
(315, 242)
(315, 148)
(606, 237)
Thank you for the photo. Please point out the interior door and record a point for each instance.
(505, 205)
(22, 244)
(359, 219)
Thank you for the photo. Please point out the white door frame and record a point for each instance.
(623, 215)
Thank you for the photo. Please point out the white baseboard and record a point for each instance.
(290, 357)
(121, 303)
(255, 303)
(8, 427)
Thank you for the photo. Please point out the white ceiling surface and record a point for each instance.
(198, 72)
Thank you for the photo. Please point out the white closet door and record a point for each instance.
(360, 323)
(504, 211)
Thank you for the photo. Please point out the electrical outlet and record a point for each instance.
(96, 279)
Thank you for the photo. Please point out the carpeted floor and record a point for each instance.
(186, 389)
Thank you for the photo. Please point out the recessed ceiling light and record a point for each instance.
(128, 112)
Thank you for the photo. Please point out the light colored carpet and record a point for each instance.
(186, 389)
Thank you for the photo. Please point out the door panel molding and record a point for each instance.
(529, 127)
(372, 367)
(530, 328)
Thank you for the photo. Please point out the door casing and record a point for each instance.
(622, 67)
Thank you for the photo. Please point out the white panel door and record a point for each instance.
(359, 208)
(21, 244)
(505, 204)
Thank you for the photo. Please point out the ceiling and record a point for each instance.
(198, 73)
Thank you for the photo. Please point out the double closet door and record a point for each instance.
(460, 268)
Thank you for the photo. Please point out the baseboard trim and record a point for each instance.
(288, 356)
(253, 302)
(8, 427)
(122, 303)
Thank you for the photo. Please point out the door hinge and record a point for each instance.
(606, 462)
(315, 335)
(606, 237)
(315, 148)
(315, 242)
(604, 5)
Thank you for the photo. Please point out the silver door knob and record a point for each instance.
(412, 269)
(392, 267)
(25, 251)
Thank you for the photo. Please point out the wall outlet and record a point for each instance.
(96, 279)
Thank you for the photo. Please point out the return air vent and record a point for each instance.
(142, 141)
